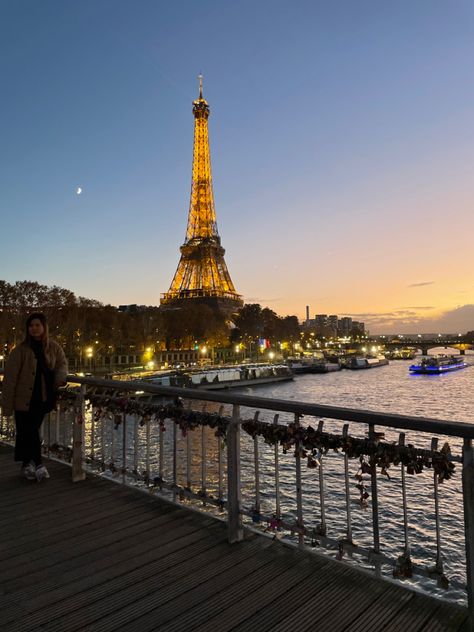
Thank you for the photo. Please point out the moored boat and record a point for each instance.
(223, 377)
(435, 365)
(312, 365)
(369, 362)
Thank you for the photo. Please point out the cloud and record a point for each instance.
(417, 307)
(258, 299)
(421, 284)
(460, 319)
(457, 320)
(398, 313)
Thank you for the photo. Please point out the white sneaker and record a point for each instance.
(29, 471)
(41, 473)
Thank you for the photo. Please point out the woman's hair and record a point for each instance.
(42, 318)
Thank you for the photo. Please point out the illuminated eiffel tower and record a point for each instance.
(202, 276)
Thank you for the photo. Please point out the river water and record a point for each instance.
(388, 389)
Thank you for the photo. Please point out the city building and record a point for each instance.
(345, 326)
(333, 324)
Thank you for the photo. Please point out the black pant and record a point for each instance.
(28, 443)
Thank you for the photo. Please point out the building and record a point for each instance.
(333, 324)
(345, 326)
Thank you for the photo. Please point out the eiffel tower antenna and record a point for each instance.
(202, 274)
(200, 77)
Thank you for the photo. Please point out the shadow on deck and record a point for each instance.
(97, 556)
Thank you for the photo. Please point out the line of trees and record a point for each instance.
(78, 322)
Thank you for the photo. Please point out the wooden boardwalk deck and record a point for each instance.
(96, 556)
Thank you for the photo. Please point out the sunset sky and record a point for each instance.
(342, 142)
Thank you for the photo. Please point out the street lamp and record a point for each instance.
(89, 355)
(271, 355)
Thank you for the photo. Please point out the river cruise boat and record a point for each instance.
(434, 365)
(369, 362)
(223, 377)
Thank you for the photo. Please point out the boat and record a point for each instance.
(325, 367)
(435, 365)
(365, 362)
(223, 377)
(312, 365)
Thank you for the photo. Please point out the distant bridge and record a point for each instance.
(426, 345)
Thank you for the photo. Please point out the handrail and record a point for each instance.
(391, 420)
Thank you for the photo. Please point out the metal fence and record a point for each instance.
(311, 474)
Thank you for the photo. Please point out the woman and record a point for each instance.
(34, 370)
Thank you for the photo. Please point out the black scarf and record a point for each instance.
(42, 371)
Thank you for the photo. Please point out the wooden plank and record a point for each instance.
(223, 614)
(115, 607)
(59, 536)
(77, 517)
(266, 618)
(383, 610)
(122, 575)
(414, 615)
(193, 602)
(104, 569)
(132, 541)
(111, 540)
(446, 618)
(343, 596)
(86, 541)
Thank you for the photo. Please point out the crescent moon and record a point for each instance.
(78, 191)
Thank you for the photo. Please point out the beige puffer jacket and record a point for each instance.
(20, 371)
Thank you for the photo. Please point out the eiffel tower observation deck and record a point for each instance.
(202, 275)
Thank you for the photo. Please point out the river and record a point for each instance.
(388, 389)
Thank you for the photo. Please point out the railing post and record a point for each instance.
(234, 518)
(299, 491)
(256, 463)
(78, 473)
(277, 476)
(439, 558)
(345, 432)
(375, 499)
(468, 498)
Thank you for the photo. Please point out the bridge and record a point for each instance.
(426, 345)
(151, 522)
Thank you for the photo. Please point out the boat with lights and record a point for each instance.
(435, 365)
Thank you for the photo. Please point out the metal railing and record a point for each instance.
(126, 430)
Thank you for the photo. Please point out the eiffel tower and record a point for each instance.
(202, 276)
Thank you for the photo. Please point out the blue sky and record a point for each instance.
(341, 138)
